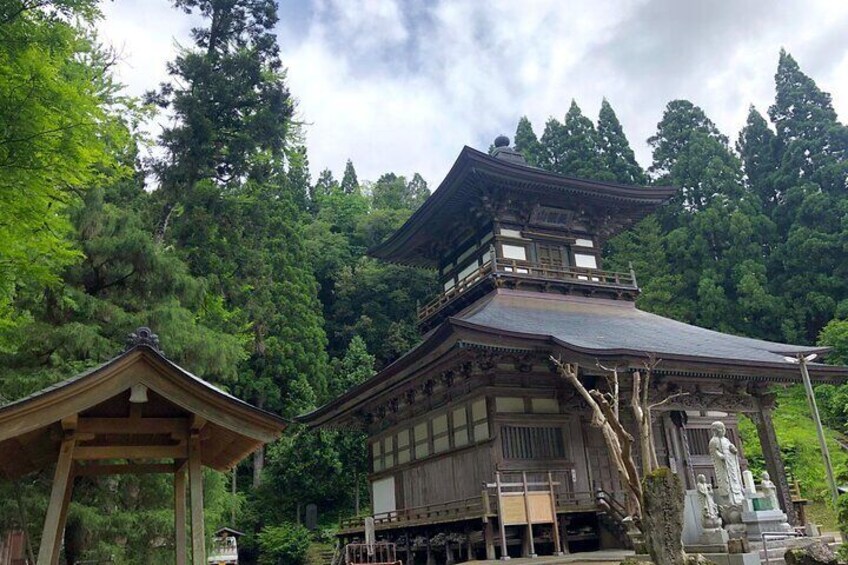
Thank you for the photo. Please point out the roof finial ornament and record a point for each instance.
(504, 152)
(144, 336)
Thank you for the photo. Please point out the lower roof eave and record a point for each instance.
(685, 365)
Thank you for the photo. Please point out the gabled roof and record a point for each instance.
(31, 432)
(475, 174)
(588, 330)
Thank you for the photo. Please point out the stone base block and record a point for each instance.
(704, 549)
(764, 521)
(714, 536)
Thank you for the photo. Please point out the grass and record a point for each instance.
(796, 435)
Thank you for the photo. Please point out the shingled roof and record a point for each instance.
(588, 330)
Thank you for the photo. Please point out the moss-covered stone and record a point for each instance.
(814, 554)
(662, 519)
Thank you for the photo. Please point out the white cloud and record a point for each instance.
(402, 86)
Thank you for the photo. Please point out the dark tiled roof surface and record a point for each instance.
(603, 325)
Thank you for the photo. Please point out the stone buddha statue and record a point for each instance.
(725, 458)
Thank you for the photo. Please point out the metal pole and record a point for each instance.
(811, 399)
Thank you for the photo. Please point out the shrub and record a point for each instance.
(285, 544)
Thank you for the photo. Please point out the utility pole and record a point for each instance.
(814, 409)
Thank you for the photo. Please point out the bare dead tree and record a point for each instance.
(618, 440)
(606, 416)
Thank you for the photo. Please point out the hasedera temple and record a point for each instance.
(478, 405)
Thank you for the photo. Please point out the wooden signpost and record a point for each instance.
(526, 503)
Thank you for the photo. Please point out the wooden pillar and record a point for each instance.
(555, 526)
(57, 509)
(529, 547)
(195, 472)
(501, 515)
(489, 540)
(180, 514)
(563, 534)
(774, 460)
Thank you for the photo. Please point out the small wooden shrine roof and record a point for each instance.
(585, 330)
(475, 181)
(96, 404)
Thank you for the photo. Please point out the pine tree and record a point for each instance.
(571, 147)
(527, 143)
(229, 205)
(350, 182)
(325, 185)
(758, 148)
(616, 153)
(809, 266)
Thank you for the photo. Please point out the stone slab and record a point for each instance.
(751, 558)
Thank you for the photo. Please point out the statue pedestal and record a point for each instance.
(762, 521)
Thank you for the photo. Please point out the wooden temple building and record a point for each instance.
(476, 411)
(138, 413)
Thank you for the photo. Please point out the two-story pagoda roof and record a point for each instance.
(478, 183)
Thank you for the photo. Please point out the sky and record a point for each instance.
(402, 85)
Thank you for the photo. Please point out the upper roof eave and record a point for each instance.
(471, 160)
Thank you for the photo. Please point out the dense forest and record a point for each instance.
(252, 269)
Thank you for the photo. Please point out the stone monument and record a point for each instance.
(725, 458)
(711, 533)
(770, 491)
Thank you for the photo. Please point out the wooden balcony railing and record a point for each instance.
(527, 270)
(478, 507)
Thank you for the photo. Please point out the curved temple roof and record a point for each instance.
(31, 428)
(475, 173)
(590, 329)
(617, 327)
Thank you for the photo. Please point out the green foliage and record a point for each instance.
(285, 544)
(527, 143)
(60, 132)
(799, 446)
(233, 193)
(616, 154)
(571, 147)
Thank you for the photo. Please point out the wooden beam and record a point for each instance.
(180, 514)
(60, 495)
(127, 469)
(177, 427)
(195, 472)
(130, 452)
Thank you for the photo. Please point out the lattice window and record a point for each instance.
(533, 442)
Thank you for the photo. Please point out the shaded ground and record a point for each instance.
(606, 557)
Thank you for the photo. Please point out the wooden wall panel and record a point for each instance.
(445, 479)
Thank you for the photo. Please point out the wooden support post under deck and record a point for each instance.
(529, 544)
(501, 516)
(195, 472)
(57, 509)
(180, 514)
(489, 539)
(555, 527)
